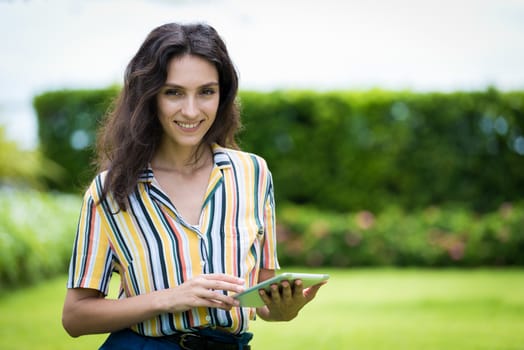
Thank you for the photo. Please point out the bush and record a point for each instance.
(347, 151)
(67, 125)
(432, 237)
(36, 235)
(343, 150)
(37, 232)
(24, 168)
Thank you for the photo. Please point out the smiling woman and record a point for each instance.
(184, 216)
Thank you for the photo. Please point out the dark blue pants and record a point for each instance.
(128, 340)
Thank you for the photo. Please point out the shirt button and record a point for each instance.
(208, 318)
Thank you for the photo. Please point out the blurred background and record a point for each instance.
(394, 131)
(399, 44)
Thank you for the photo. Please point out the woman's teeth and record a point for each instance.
(187, 125)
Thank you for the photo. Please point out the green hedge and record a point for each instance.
(344, 150)
(67, 125)
(350, 150)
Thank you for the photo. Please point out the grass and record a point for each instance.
(358, 309)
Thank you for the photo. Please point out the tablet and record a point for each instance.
(251, 298)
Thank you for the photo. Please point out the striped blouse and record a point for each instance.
(153, 248)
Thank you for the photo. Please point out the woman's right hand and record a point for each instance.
(200, 291)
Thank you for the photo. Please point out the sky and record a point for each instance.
(418, 45)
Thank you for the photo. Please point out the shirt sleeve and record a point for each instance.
(91, 260)
(269, 258)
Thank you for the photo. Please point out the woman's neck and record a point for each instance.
(183, 161)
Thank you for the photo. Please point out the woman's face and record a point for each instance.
(188, 101)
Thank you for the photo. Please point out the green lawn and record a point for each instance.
(358, 309)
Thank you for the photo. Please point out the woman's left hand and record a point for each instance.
(284, 303)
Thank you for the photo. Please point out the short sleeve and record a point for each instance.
(269, 259)
(91, 260)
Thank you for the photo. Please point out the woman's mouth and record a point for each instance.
(187, 126)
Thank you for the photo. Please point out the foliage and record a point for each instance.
(36, 235)
(37, 231)
(344, 150)
(432, 237)
(67, 123)
(20, 167)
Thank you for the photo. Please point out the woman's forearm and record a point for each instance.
(88, 313)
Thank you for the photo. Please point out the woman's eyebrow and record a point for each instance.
(174, 85)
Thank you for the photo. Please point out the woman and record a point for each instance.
(183, 216)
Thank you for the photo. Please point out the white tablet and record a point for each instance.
(251, 298)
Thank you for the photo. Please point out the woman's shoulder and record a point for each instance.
(95, 188)
(239, 157)
(95, 193)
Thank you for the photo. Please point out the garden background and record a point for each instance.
(369, 179)
(408, 195)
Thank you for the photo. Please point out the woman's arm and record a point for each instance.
(86, 311)
(284, 305)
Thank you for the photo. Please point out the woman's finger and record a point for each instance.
(223, 277)
(287, 291)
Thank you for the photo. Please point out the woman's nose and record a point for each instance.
(190, 107)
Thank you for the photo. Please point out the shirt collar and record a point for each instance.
(220, 156)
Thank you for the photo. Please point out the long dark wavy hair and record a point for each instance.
(131, 132)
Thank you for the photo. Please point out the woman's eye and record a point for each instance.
(172, 92)
(208, 91)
